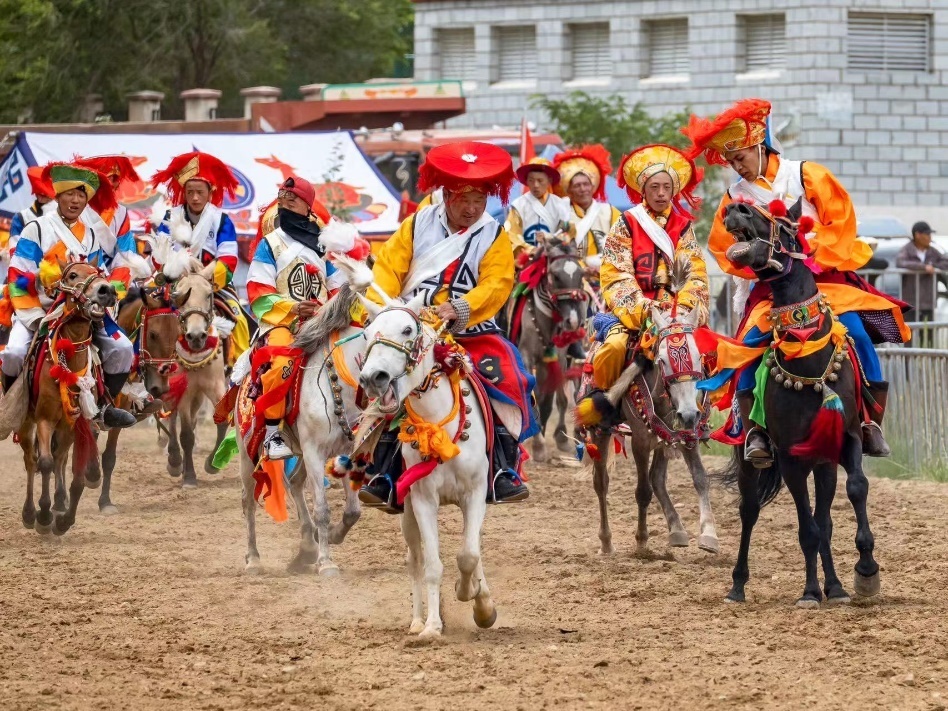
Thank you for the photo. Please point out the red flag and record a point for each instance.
(527, 152)
(406, 207)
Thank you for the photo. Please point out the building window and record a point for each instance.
(457, 54)
(589, 51)
(666, 42)
(763, 42)
(516, 54)
(885, 42)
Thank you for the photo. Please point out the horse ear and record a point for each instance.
(417, 303)
(370, 306)
(208, 271)
(795, 210)
(658, 317)
(386, 299)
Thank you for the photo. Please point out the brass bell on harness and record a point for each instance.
(465, 436)
(779, 378)
(837, 366)
(467, 409)
(788, 383)
(770, 361)
(410, 429)
(775, 371)
(818, 387)
(467, 424)
(832, 377)
(414, 445)
(465, 392)
(334, 377)
(338, 411)
(798, 385)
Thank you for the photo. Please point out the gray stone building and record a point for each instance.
(858, 86)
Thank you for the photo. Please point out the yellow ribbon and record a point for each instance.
(433, 440)
(731, 355)
(339, 363)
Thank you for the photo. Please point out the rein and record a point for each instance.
(774, 245)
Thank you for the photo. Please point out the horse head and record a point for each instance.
(766, 242)
(564, 281)
(88, 289)
(158, 335)
(679, 361)
(397, 343)
(193, 297)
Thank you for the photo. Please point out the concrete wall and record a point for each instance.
(885, 134)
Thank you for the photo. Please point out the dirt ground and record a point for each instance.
(151, 609)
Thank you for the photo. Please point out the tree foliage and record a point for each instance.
(57, 51)
(581, 119)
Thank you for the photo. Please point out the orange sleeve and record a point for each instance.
(835, 243)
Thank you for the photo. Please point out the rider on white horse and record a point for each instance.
(461, 259)
(638, 260)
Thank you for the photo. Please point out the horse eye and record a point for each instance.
(407, 331)
(73, 275)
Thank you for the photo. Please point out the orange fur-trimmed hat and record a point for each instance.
(468, 165)
(743, 125)
(110, 166)
(196, 166)
(40, 185)
(592, 161)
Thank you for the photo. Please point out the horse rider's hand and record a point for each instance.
(304, 309)
(446, 312)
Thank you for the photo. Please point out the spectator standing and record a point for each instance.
(921, 289)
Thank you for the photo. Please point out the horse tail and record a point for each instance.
(769, 481)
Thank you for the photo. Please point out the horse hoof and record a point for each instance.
(329, 570)
(485, 622)
(174, 470)
(678, 539)
(253, 567)
(606, 550)
(843, 599)
(867, 586)
(735, 597)
(709, 544)
(416, 626)
(808, 603)
(431, 633)
(189, 484)
(60, 526)
(109, 510)
(43, 529)
(210, 468)
(465, 598)
(93, 483)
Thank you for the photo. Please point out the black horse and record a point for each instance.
(810, 407)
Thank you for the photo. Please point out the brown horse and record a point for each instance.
(151, 321)
(55, 419)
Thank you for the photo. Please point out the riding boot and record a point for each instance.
(757, 449)
(873, 442)
(386, 467)
(111, 415)
(506, 487)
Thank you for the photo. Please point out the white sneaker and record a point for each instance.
(275, 447)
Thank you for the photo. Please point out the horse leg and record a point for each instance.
(469, 555)
(189, 477)
(61, 459)
(249, 504)
(416, 568)
(27, 445)
(46, 463)
(308, 554)
(601, 485)
(350, 514)
(108, 466)
(824, 480)
(658, 475)
(174, 448)
(315, 461)
(65, 521)
(708, 537)
(643, 495)
(747, 480)
(563, 442)
(545, 407)
(857, 488)
(209, 467)
(796, 479)
(426, 516)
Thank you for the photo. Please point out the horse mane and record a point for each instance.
(333, 316)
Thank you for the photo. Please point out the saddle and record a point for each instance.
(40, 351)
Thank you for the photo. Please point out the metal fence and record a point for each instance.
(916, 421)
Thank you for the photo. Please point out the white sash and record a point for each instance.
(585, 224)
(655, 232)
(437, 259)
(540, 209)
(210, 215)
(65, 235)
(103, 233)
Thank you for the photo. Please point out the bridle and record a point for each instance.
(577, 295)
(679, 354)
(145, 359)
(774, 243)
(78, 292)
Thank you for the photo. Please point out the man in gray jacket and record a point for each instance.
(921, 289)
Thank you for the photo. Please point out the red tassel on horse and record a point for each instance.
(177, 386)
(825, 439)
(65, 347)
(554, 376)
(84, 449)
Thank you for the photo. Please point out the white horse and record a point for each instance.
(399, 363)
(322, 429)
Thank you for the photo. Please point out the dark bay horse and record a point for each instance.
(810, 406)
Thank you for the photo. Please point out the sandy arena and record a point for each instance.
(151, 609)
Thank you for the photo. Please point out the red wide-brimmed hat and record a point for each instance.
(538, 165)
(468, 165)
(196, 166)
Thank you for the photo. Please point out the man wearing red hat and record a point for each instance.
(119, 171)
(289, 279)
(460, 258)
(740, 137)
(538, 212)
(43, 201)
(196, 183)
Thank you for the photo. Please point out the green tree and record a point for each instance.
(581, 118)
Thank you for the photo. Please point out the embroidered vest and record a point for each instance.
(461, 276)
(652, 270)
(301, 273)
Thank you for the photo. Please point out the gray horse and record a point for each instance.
(552, 319)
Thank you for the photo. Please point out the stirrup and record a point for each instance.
(373, 501)
(759, 462)
(523, 493)
(872, 430)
